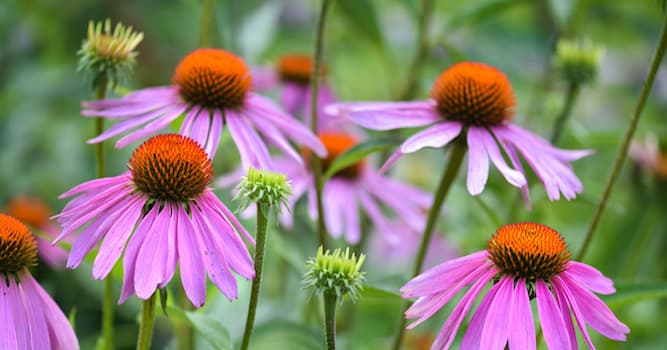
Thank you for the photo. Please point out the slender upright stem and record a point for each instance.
(330, 320)
(448, 176)
(183, 329)
(107, 298)
(623, 151)
(260, 245)
(410, 87)
(147, 320)
(314, 86)
(559, 125)
(207, 9)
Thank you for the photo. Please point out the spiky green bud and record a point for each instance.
(336, 273)
(577, 61)
(265, 188)
(106, 55)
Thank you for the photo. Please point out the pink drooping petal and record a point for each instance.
(589, 277)
(264, 78)
(152, 127)
(252, 153)
(190, 117)
(346, 107)
(8, 333)
(451, 326)
(262, 110)
(193, 273)
(426, 306)
(564, 306)
(201, 126)
(386, 115)
(335, 196)
(214, 134)
(214, 202)
(277, 139)
(129, 124)
(294, 98)
(60, 331)
(473, 336)
(516, 163)
(352, 220)
(150, 263)
(129, 109)
(39, 331)
(171, 258)
(550, 318)
(116, 237)
(522, 328)
(134, 245)
(594, 312)
(391, 161)
(495, 330)
(93, 185)
(444, 276)
(435, 136)
(512, 176)
(478, 162)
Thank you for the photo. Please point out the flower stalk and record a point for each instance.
(570, 97)
(625, 145)
(455, 160)
(147, 322)
(316, 162)
(330, 320)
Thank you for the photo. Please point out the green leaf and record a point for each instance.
(358, 152)
(479, 12)
(632, 292)
(362, 15)
(371, 291)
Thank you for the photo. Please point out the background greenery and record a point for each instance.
(370, 44)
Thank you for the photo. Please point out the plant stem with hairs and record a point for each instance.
(623, 151)
(316, 162)
(559, 125)
(448, 176)
(330, 300)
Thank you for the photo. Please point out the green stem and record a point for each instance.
(107, 299)
(206, 23)
(559, 125)
(410, 87)
(314, 86)
(184, 333)
(622, 153)
(256, 282)
(147, 320)
(455, 160)
(330, 319)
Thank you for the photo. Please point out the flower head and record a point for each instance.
(108, 56)
(162, 207)
(525, 261)
(30, 318)
(338, 273)
(351, 192)
(577, 61)
(298, 68)
(265, 188)
(212, 88)
(473, 102)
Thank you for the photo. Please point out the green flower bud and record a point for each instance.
(107, 56)
(577, 61)
(265, 188)
(335, 273)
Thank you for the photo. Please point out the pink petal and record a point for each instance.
(193, 274)
(589, 277)
(550, 318)
(567, 317)
(435, 136)
(522, 328)
(497, 324)
(473, 336)
(253, 151)
(130, 257)
(214, 134)
(512, 176)
(39, 332)
(478, 162)
(151, 258)
(352, 221)
(443, 276)
(8, 301)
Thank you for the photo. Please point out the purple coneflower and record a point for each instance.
(162, 207)
(212, 87)
(35, 213)
(473, 101)
(355, 187)
(29, 318)
(292, 74)
(525, 261)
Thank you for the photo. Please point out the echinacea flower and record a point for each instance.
(212, 87)
(649, 157)
(475, 102)
(36, 213)
(524, 261)
(30, 319)
(292, 74)
(165, 212)
(354, 188)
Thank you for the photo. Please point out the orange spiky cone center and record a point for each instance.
(475, 94)
(171, 168)
(213, 78)
(18, 248)
(528, 250)
(336, 144)
(33, 211)
(298, 68)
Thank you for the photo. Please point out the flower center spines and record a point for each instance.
(18, 247)
(298, 68)
(213, 78)
(337, 144)
(528, 250)
(475, 94)
(171, 167)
